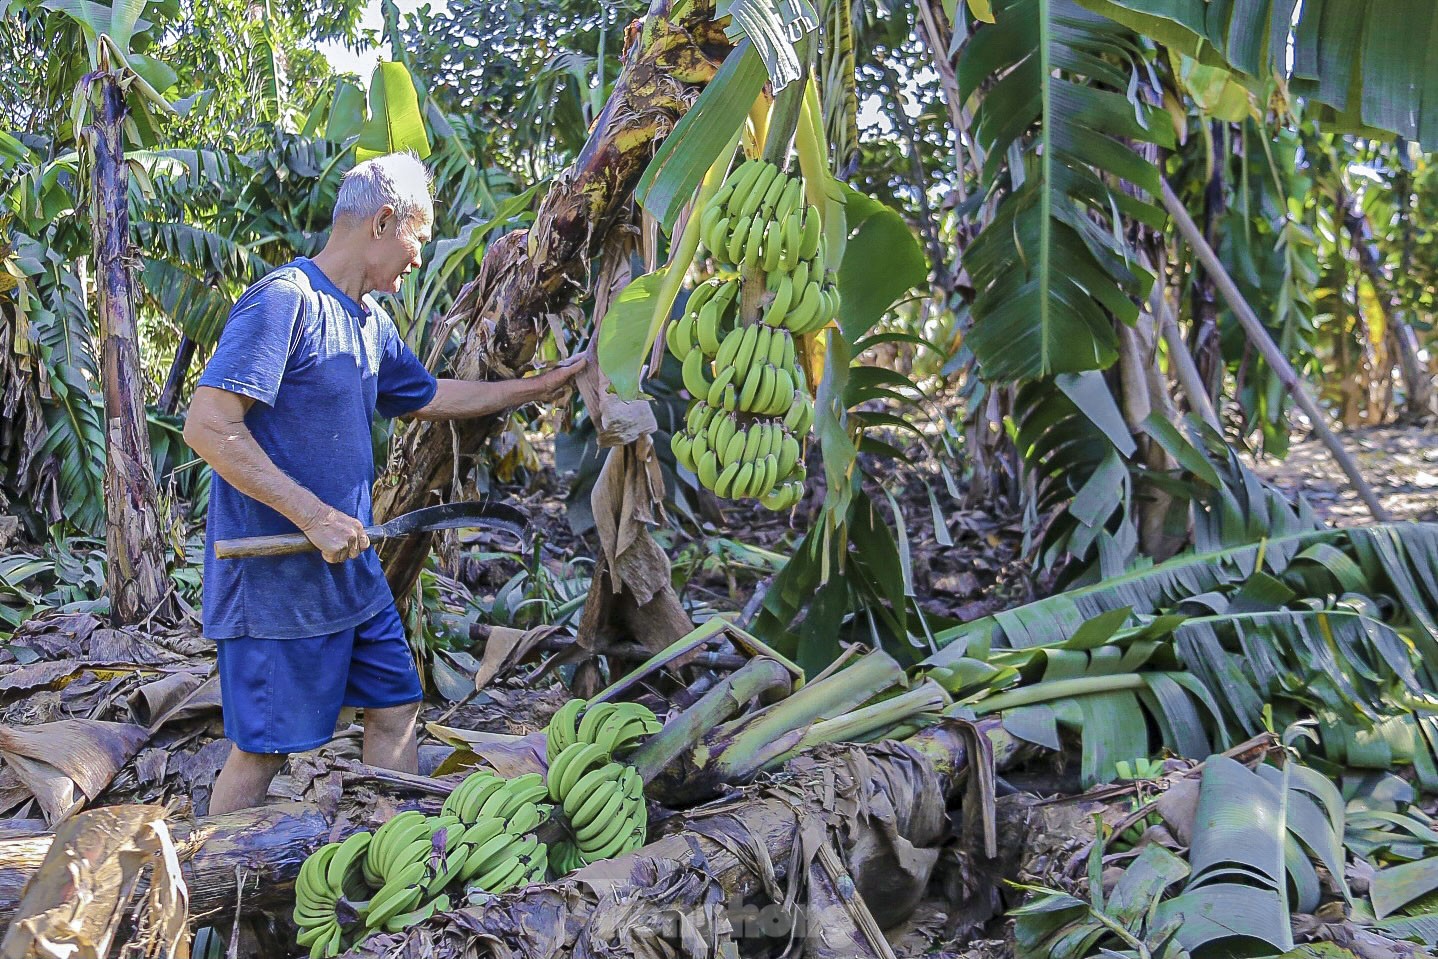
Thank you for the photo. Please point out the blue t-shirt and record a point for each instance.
(319, 366)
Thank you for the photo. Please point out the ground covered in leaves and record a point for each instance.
(1401, 463)
(96, 715)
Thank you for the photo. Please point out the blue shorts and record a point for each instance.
(285, 695)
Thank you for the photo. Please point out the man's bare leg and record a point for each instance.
(389, 739)
(244, 780)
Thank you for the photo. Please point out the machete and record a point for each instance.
(426, 520)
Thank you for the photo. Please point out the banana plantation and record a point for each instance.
(842, 479)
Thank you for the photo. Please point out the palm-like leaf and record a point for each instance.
(1232, 631)
(1051, 268)
(70, 460)
(202, 249)
(1367, 61)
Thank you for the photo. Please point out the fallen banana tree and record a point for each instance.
(746, 869)
(265, 847)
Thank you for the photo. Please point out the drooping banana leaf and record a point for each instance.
(1055, 925)
(1366, 61)
(1052, 268)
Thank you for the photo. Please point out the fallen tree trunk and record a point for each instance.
(737, 871)
(267, 845)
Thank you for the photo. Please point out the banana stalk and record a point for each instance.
(860, 725)
(659, 758)
(732, 754)
(1057, 689)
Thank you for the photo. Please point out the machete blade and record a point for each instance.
(456, 516)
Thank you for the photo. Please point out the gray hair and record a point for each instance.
(397, 179)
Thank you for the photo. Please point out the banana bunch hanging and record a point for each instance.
(751, 406)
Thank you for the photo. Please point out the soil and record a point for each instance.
(1400, 462)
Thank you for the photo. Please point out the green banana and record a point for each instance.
(706, 328)
(773, 195)
(594, 804)
(718, 239)
(726, 189)
(615, 827)
(482, 832)
(724, 429)
(783, 387)
(722, 379)
(743, 178)
(724, 356)
(754, 241)
(338, 871)
(399, 894)
(793, 194)
(737, 239)
(524, 819)
(733, 450)
(499, 882)
(591, 781)
(773, 246)
(783, 298)
(750, 388)
(563, 728)
(725, 483)
(764, 481)
(730, 398)
(744, 355)
(788, 453)
(484, 858)
(800, 275)
(764, 396)
(593, 718)
(781, 349)
(693, 374)
(526, 789)
(308, 935)
(708, 471)
(794, 417)
(809, 238)
(679, 444)
(805, 310)
(755, 194)
(696, 420)
(406, 919)
(593, 753)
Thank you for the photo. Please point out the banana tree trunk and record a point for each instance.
(740, 871)
(179, 370)
(1418, 400)
(135, 577)
(530, 274)
(266, 846)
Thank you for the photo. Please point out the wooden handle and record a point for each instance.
(282, 544)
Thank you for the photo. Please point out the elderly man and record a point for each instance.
(282, 414)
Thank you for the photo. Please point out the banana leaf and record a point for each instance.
(1051, 270)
